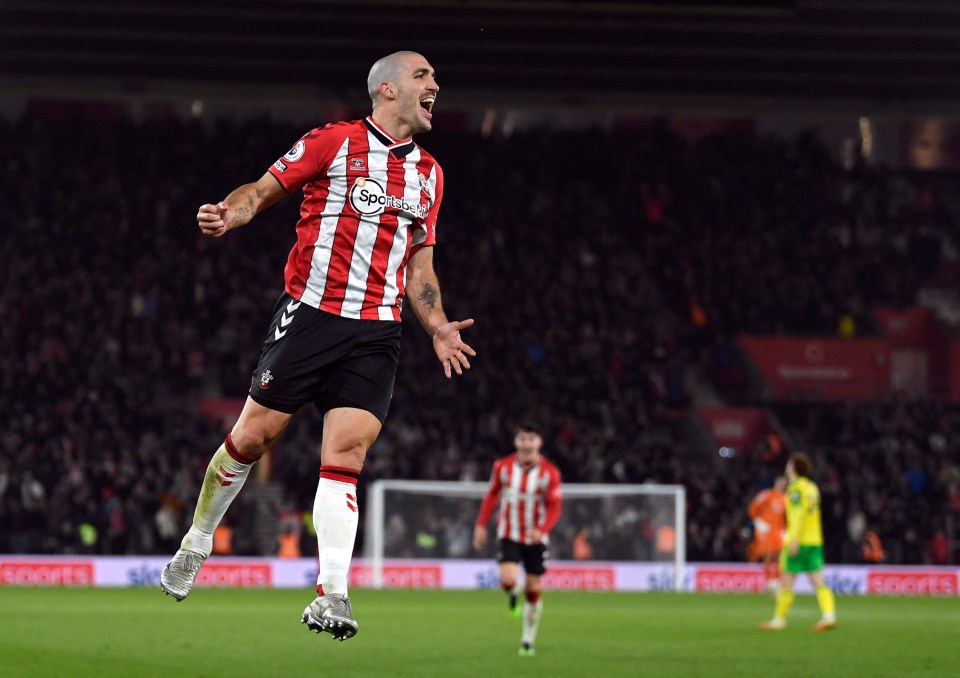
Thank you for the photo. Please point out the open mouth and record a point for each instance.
(427, 104)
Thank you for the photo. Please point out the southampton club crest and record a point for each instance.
(265, 379)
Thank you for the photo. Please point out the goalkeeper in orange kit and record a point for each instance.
(768, 513)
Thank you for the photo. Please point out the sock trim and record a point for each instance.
(340, 474)
(235, 453)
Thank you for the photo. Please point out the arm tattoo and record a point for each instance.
(241, 215)
(245, 214)
(428, 296)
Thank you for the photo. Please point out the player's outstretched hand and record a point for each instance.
(450, 348)
(210, 219)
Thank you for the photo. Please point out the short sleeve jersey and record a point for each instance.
(369, 203)
(526, 496)
(803, 513)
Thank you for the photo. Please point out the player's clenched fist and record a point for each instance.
(210, 219)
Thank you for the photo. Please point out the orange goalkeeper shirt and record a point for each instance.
(768, 511)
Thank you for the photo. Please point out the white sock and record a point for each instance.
(531, 620)
(335, 518)
(226, 473)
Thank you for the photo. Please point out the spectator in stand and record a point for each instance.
(872, 548)
(939, 549)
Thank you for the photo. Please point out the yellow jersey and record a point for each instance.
(803, 513)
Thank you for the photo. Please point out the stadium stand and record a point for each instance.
(119, 320)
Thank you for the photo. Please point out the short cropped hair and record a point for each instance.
(386, 69)
(528, 427)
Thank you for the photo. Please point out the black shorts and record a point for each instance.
(310, 355)
(533, 556)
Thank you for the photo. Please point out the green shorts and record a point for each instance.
(808, 559)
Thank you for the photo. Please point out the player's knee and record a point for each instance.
(347, 435)
(532, 595)
(250, 442)
(507, 584)
(347, 456)
(348, 451)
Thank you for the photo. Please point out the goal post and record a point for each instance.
(414, 519)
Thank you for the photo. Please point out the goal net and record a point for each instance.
(410, 519)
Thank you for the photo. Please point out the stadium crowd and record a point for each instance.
(602, 267)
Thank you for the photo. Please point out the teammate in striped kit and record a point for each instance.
(527, 487)
(364, 243)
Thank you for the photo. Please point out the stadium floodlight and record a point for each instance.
(412, 519)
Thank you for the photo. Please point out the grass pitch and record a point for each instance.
(254, 632)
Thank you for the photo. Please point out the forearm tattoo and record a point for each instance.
(427, 296)
(245, 214)
(240, 216)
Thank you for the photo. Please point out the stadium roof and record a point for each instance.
(899, 55)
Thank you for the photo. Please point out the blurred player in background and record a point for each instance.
(364, 239)
(527, 487)
(803, 547)
(769, 522)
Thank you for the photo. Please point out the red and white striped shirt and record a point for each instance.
(369, 203)
(529, 498)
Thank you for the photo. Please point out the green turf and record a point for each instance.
(230, 632)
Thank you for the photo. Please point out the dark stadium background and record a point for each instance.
(633, 189)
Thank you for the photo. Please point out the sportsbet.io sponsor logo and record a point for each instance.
(368, 198)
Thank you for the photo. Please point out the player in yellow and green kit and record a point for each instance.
(802, 546)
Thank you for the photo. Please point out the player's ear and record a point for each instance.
(387, 91)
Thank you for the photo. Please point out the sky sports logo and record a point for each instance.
(580, 578)
(46, 573)
(399, 576)
(369, 198)
(738, 580)
(913, 583)
(254, 575)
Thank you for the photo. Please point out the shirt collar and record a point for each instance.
(398, 148)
